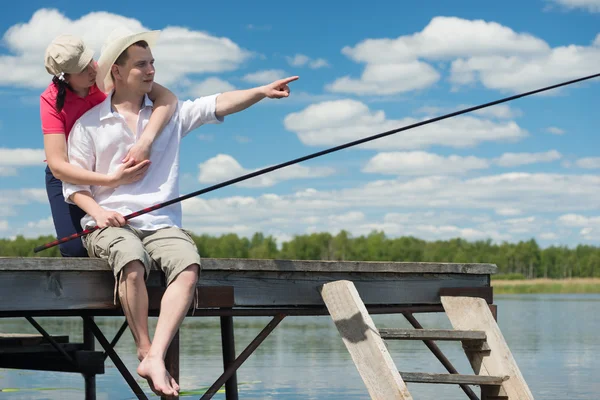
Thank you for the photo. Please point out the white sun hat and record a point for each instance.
(118, 40)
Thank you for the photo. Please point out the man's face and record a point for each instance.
(138, 72)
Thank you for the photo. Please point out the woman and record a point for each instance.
(73, 92)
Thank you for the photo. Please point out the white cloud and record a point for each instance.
(578, 220)
(339, 121)
(300, 60)
(12, 199)
(8, 171)
(500, 111)
(210, 86)
(519, 74)
(508, 211)
(318, 63)
(4, 225)
(478, 51)
(386, 79)
(422, 163)
(21, 157)
(555, 130)
(265, 76)
(179, 51)
(516, 159)
(590, 226)
(224, 167)
(43, 226)
(588, 5)
(426, 207)
(446, 37)
(548, 236)
(588, 162)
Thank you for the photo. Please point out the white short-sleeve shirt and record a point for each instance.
(100, 140)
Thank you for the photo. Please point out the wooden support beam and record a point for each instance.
(470, 313)
(431, 334)
(485, 292)
(452, 379)
(367, 349)
(45, 358)
(27, 339)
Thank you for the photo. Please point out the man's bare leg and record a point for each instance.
(174, 306)
(134, 301)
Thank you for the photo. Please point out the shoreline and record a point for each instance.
(547, 286)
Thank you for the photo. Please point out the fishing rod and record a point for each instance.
(310, 156)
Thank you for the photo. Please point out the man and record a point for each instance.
(99, 141)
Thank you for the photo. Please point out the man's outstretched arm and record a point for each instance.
(238, 100)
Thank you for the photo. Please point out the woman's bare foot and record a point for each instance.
(153, 370)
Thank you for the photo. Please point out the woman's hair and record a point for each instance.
(62, 87)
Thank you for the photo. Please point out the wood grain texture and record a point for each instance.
(431, 334)
(422, 377)
(469, 313)
(226, 264)
(360, 335)
(68, 290)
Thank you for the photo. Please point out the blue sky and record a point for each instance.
(525, 169)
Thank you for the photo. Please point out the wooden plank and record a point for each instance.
(367, 349)
(469, 313)
(234, 264)
(208, 297)
(40, 348)
(486, 293)
(452, 379)
(89, 362)
(27, 339)
(430, 334)
(70, 290)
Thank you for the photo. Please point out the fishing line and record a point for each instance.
(310, 156)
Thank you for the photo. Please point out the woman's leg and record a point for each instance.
(66, 218)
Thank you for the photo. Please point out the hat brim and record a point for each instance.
(113, 51)
(84, 61)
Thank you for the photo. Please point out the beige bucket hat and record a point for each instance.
(67, 54)
(118, 40)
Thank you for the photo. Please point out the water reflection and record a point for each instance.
(552, 337)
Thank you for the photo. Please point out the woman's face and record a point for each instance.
(85, 78)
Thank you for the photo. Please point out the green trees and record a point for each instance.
(525, 258)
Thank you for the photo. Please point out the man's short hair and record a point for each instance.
(124, 56)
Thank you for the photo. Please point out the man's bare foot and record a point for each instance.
(153, 370)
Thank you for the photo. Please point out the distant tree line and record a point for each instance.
(524, 258)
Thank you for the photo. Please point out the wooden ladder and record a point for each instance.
(495, 369)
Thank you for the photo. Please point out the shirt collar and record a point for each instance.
(106, 107)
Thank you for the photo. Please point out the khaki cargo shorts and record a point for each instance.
(170, 249)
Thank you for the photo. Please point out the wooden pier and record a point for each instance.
(348, 291)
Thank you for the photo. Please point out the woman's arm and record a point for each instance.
(165, 103)
(55, 147)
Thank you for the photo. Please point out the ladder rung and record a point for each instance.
(483, 380)
(430, 334)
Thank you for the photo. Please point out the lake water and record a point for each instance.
(554, 339)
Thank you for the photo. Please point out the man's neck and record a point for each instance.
(126, 101)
